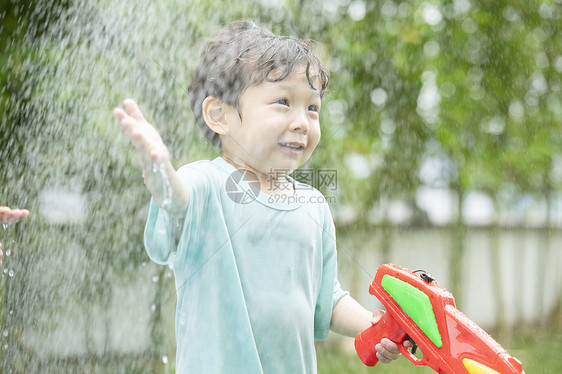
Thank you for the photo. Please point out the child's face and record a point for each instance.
(279, 126)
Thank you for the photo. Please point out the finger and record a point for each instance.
(23, 212)
(390, 346)
(133, 109)
(149, 153)
(387, 351)
(9, 216)
(128, 123)
(15, 216)
(377, 315)
(383, 359)
(137, 131)
(130, 126)
(20, 213)
(383, 356)
(119, 113)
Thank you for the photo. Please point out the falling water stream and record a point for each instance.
(79, 290)
(78, 293)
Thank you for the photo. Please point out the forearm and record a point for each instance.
(349, 317)
(167, 189)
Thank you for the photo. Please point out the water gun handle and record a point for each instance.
(365, 342)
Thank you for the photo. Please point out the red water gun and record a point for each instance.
(420, 310)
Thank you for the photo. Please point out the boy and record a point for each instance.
(256, 277)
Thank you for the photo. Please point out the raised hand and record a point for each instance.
(143, 135)
(158, 173)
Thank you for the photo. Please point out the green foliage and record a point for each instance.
(529, 347)
(477, 83)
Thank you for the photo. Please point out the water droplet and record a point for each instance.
(161, 169)
(11, 312)
(165, 359)
(5, 333)
(153, 308)
(155, 279)
(5, 347)
(5, 270)
(8, 252)
(11, 273)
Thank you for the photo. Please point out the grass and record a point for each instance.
(539, 352)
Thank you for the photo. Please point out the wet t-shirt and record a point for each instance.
(255, 275)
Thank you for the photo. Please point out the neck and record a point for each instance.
(271, 181)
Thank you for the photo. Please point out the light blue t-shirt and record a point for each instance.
(256, 276)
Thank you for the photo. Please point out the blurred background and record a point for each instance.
(441, 150)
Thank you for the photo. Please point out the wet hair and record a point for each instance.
(242, 55)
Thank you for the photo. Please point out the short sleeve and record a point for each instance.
(331, 291)
(338, 293)
(166, 236)
(159, 234)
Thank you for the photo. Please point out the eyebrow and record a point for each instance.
(287, 87)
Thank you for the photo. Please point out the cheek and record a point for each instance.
(314, 135)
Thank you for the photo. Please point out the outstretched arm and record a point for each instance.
(159, 175)
(9, 216)
(350, 318)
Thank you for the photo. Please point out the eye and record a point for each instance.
(283, 102)
(313, 108)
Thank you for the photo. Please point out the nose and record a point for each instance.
(299, 123)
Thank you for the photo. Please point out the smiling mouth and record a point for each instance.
(292, 146)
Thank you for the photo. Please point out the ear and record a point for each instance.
(215, 115)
